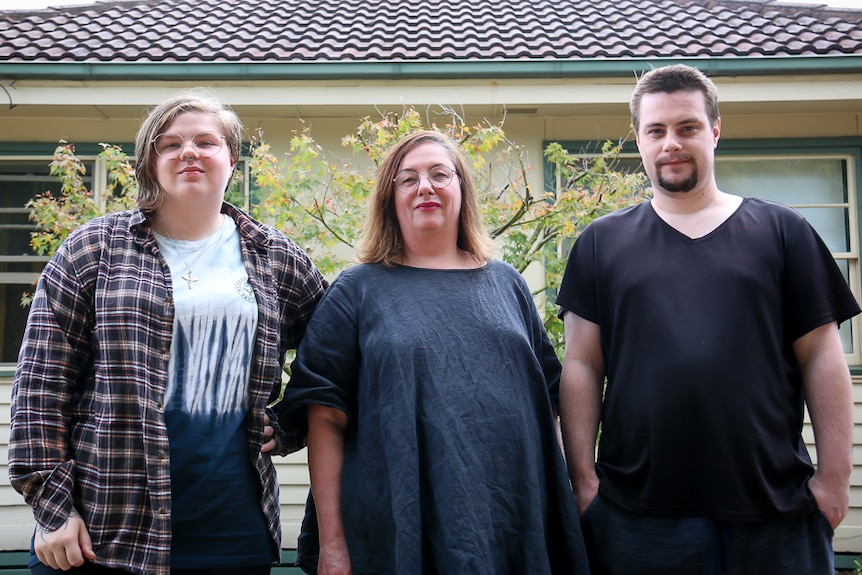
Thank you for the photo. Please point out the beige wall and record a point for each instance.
(16, 520)
(848, 536)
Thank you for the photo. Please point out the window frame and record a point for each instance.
(87, 152)
(845, 148)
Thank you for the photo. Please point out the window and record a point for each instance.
(21, 179)
(818, 178)
(823, 189)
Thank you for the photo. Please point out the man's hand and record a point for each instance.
(829, 396)
(66, 547)
(833, 498)
(585, 492)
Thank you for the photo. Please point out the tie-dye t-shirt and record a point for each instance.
(216, 515)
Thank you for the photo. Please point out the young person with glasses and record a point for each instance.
(154, 343)
(428, 387)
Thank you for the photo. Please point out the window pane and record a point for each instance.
(796, 182)
(789, 181)
(846, 328)
(21, 181)
(832, 224)
(14, 319)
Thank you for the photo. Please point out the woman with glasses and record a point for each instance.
(427, 384)
(155, 341)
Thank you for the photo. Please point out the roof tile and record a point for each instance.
(423, 30)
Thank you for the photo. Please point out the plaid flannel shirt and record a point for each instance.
(88, 425)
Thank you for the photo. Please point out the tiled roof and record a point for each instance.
(279, 31)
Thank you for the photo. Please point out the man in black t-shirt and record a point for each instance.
(714, 319)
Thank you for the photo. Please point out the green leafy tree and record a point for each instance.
(56, 216)
(585, 188)
(318, 199)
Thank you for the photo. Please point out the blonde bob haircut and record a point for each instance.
(150, 192)
(381, 240)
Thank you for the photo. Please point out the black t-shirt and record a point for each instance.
(704, 403)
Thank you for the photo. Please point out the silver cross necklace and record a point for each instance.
(189, 277)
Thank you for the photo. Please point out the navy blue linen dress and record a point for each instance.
(451, 460)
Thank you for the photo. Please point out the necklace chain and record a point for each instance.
(189, 277)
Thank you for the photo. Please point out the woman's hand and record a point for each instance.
(334, 559)
(325, 465)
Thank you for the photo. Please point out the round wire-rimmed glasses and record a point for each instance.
(407, 181)
(170, 146)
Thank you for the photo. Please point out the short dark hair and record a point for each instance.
(675, 78)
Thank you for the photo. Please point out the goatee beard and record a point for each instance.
(686, 185)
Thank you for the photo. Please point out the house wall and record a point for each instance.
(16, 520)
(848, 536)
(567, 110)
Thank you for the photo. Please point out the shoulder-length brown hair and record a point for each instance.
(150, 193)
(381, 240)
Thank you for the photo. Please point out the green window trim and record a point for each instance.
(847, 149)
